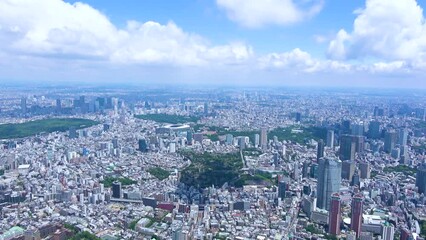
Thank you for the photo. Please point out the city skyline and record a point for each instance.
(318, 43)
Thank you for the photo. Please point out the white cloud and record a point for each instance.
(53, 28)
(392, 30)
(256, 13)
(300, 61)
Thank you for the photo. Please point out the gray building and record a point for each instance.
(329, 178)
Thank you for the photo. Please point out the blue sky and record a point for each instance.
(379, 43)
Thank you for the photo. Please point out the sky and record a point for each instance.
(351, 43)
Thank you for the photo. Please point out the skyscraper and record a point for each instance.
(348, 169)
(264, 138)
(282, 187)
(388, 232)
(256, 140)
(330, 138)
(24, 105)
(421, 178)
(320, 149)
(189, 137)
(143, 145)
(365, 170)
(347, 148)
(334, 217)
(390, 140)
(116, 189)
(357, 129)
(374, 130)
(403, 137)
(58, 104)
(329, 178)
(356, 211)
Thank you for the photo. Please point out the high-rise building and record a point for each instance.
(355, 179)
(72, 132)
(264, 138)
(256, 140)
(388, 232)
(24, 105)
(390, 140)
(298, 117)
(421, 178)
(347, 148)
(348, 169)
(242, 143)
(229, 139)
(330, 138)
(346, 127)
(329, 178)
(189, 137)
(283, 187)
(116, 190)
(356, 213)
(206, 108)
(334, 216)
(143, 145)
(365, 170)
(374, 130)
(58, 104)
(403, 137)
(320, 149)
(358, 129)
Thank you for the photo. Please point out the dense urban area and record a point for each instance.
(212, 163)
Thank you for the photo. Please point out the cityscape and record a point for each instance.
(212, 120)
(216, 163)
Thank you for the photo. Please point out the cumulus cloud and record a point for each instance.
(392, 30)
(59, 29)
(255, 13)
(301, 61)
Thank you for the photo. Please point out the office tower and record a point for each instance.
(388, 232)
(403, 157)
(334, 217)
(355, 179)
(329, 178)
(276, 158)
(421, 178)
(172, 147)
(348, 169)
(374, 130)
(330, 138)
(313, 171)
(82, 101)
(347, 148)
(298, 117)
(24, 105)
(72, 132)
(420, 113)
(143, 145)
(390, 140)
(256, 140)
(356, 211)
(357, 129)
(189, 137)
(320, 149)
(58, 104)
(403, 137)
(264, 138)
(206, 108)
(242, 143)
(346, 127)
(283, 187)
(229, 139)
(116, 189)
(365, 170)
